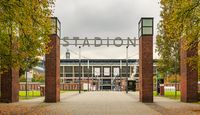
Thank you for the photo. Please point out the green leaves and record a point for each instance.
(180, 20)
(25, 26)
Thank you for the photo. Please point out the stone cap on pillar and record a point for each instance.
(145, 27)
(56, 26)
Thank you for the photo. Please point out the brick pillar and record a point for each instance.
(10, 86)
(146, 68)
(52, 71)
(189, 75)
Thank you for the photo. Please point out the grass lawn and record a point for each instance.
(170, 94)
(34, 94)
(29, 93)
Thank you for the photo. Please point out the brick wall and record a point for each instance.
(52, 71)
(146, 68)
(10, 86)
(168, 84)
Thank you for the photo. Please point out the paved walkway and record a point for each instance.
(100, 103)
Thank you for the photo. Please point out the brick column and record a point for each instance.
(146, 68)
(189, 75)
(10, 86)
(52, 71)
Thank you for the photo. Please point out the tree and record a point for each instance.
(38, 78)
(180, 21)
(22, 78)
(25, 26)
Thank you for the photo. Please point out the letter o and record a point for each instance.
(118, 39)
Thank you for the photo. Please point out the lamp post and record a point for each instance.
(126, 69)
(175, 76)
(26, 83)
(157, 84)
(120, 75)
(92, 79)
(88, 75)
(79, 69)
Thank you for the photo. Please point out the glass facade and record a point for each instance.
(116, 71)
(56, 26)
(69, 71)
(145, 27)
(106, 74)
(106, 71)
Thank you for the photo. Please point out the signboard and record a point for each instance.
(98, 41)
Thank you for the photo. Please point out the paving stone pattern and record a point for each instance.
(100, 103)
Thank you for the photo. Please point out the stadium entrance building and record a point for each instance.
(99, 74)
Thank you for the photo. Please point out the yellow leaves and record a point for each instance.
(28, 22)
(180, 20)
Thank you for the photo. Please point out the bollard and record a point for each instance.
(162, 91)
(42, 90)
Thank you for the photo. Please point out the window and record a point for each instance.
(76, 70)
(106, 71)
(86, 71)
(97, 71)
(61, 69)
(116, 71)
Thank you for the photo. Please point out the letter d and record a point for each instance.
(95, 41)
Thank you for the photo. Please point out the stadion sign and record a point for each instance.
(98, 41)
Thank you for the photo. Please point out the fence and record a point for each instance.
(74, 86)
(30, 86)
(167, 85)
(36, 86)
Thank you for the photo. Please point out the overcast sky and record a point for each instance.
(104, 18)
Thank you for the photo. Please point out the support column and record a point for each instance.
(10, 86)
(145, 31)
(73, 75)
(52, 71)
(189, 75)
(146, 68)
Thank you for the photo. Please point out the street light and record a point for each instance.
(92, 79)
(56, 26)
(126, 69)
(120, 75)
(175, 68)
(88, 75)
(26, 83)
(145, 27)
(79, 69)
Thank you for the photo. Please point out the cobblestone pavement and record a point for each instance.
(100, 103)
